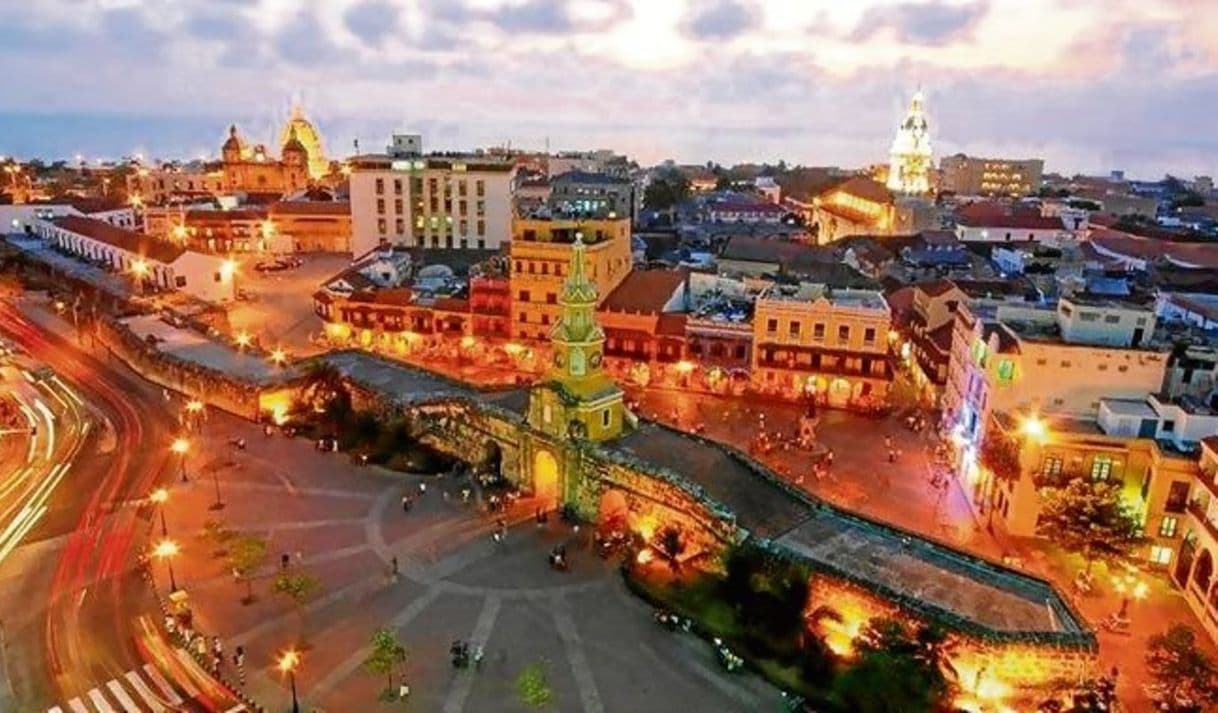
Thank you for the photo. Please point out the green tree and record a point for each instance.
(532, 686)
(1183, 678)
(387, 652)
(245, 555)
(666, 189)
(884, 683)
(297, 588)
(1088, 517)
(219, 534)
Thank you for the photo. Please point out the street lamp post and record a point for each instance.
(1129, 588)
(166, 550)
(160, 496)
(181, 446)
(288, 662)
(215, 477)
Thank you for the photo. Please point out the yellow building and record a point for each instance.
(540, 251)
(832, 344)
(1121, 444)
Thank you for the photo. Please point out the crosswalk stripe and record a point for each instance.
(153, 701)
(123, 699)
(76, 706)
(100, 703)
(166, 690)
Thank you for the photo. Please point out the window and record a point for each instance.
(397, 205)
(1112, 318)
(606, 418)
(1160, 555)
(843, 333)
(397, 186)
(818, 330)
(1052, 467)
(480, 189)
(1168, 527)
(1006, 370)
(1066, 364)
(551, 298)
(794, 329)
(771, 326)
(869, 335)
(381, 226)
(380, 205)
(524, 295)
(481, 244)
(482, 227)
(1101, 467)
(1177, 497)
(399, 226)
(380, 186)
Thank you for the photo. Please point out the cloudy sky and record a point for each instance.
(1089, 85)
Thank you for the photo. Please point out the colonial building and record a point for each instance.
(910, 157)
(830, 344)
(450, 202)
(858, 206)
(153, 265)
(251, 169)
(972, 176)
(278, 227)
(995, 223)
(539, 254)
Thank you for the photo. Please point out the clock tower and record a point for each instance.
(577, 398)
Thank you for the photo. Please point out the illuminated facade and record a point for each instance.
(830, 344)
(910, 158)
(303, 131)
(539, 253)
(859, 206)
(972, 176)
(252, 170)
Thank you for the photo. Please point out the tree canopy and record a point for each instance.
(1183, 678)
(1088, 517)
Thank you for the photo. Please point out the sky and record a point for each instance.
(1088, 85)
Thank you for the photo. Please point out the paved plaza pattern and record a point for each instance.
(344, 525)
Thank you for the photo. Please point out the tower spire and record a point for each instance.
(909, 162)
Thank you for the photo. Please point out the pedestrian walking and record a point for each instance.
(407, 503)
(479, 653)
(403, 691)
(422, 488)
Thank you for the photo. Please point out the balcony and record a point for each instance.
(1204, 523)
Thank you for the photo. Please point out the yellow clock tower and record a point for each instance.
(577, 398)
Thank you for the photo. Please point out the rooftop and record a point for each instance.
(126, 240)
(645, 291)
(810, 292)
(589, 177)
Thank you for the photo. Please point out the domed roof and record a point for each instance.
(309, 138)
(293, 144)
(233, 143)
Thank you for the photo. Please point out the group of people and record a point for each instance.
(462, 655)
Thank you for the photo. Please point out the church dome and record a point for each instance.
(309, 138)
(233, 146)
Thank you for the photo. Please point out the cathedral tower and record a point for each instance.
(909, 164)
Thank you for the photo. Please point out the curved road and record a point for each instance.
(99, 620)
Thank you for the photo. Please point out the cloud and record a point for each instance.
(922, 23)
(371, 21)
(720, 20)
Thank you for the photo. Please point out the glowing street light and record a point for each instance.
(228, 270)
(279, 356)
(1034, 428)
(243, 339)
(288, 661)
(1129, 587)
(166, 550)
(160, 496)
(181, 446)
(139, 267)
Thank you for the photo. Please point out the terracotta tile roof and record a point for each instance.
(741, 207)
(864, 188)
(672, 324)
(645, 291)
(1194, 255)
(751, 249)
(138, 243)
(451, 304)
(339, 208)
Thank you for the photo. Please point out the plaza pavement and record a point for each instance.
(343, 523)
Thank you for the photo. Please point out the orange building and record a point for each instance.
(283, 226)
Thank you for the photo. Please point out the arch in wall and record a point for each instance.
(1184, 561)
(546, 479)
(613, 512)
(1204, 571)
(492, 459)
